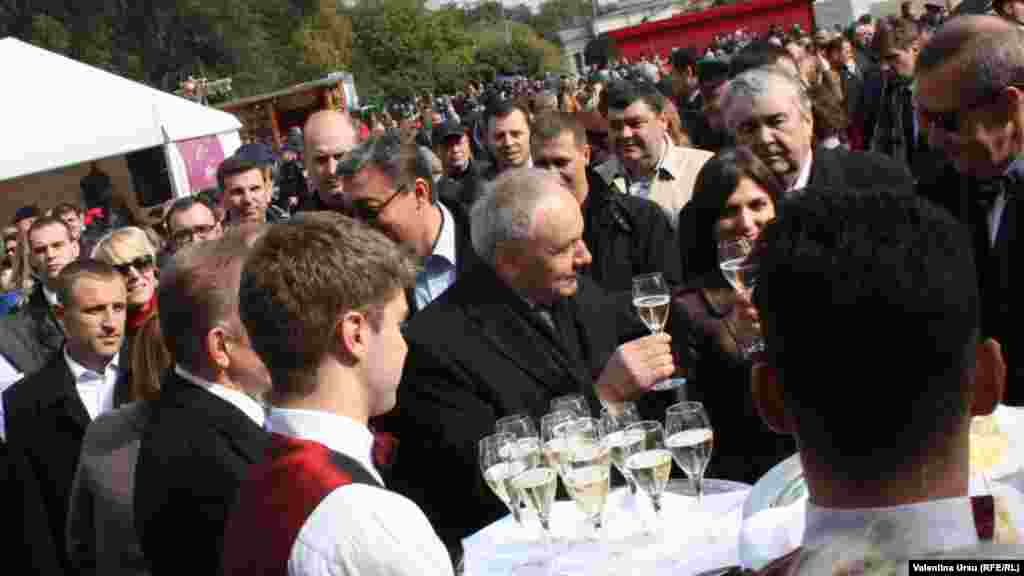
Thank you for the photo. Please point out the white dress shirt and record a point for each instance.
(51, 296)
(8, 376)
(438, 272)
(358, 529)
(804, 177)
(96, 390)
(253, 409)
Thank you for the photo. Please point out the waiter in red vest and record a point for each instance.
(323, 299)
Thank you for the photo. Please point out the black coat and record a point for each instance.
(492, 357)
(30, 337)
(627, 236)
(838, 168)
(463, 191)
(195, 451)
(994, 264)
(46, 422)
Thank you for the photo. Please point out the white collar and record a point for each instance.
(805, 172)
(339, 433)
(445, 245)
(251, 408)
(913, 529)
(77, 370)
(51, 296)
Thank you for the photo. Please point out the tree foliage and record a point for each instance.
(393, 47)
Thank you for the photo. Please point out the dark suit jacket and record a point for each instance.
(839, 168)
(30, 337)
(627, 236)
(463, 191)
(195, 451)
(46, 422)
(492, 357)
(995, 277)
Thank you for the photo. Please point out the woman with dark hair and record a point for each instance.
(735, 196)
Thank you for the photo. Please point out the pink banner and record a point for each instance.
(202, 157)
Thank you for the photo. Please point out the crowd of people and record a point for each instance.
(290, 373)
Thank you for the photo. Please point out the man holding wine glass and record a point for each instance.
(514, 334)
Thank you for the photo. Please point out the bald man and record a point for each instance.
(328, 135)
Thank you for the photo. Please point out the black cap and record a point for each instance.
(256, 153)
(30, 211)
(449, 128)
(711, 70)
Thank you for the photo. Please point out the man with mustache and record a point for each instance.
(646, 163)
(769, 111)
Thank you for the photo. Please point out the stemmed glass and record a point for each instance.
(524, 430)
(649, 462)
(586, 467)
(574, 403)
(613, 428)
(498, 470)
(652, 299)
(734, 259)
(690, 438)
(555, 444)
(535, 485)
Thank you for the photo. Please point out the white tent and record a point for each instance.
(59, 112)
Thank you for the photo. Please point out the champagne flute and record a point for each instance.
(690, 438)
(555, 443)
(740, 270)
(498, 471)
(536, 486)
(525, 432)
(652, 299)
(587, 468)
(649, 461)
(574, 403)
(613, 428)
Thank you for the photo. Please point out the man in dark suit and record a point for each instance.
(769, 111)
(626, 235)
(389, 186)
(463, 180)
(517, 330)
(967, 92)
(206, 429)
(47, 413)
(30, 337)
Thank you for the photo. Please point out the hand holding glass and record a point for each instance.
(740, 270)
(652, 299)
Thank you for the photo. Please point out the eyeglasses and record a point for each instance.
(187, 235)
(361, 208)
(140, 264)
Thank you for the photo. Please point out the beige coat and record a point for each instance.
(673, 188)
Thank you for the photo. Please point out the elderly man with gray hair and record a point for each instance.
(513, 333)
(768, 110)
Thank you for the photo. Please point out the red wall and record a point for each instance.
(698, 29)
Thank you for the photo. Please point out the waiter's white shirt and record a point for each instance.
(253, 409)
(358, 529)
(96, 390)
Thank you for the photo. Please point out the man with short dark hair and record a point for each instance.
(627, 235)
(892, 467)
(317, 504)
(388, 185)
(206, 428)
(30, 337)
(508, 136)
(189, 220)
(969, 94)
(72, 216)
(685, 85)
(46, 414)
(646, 163)
(247, 187)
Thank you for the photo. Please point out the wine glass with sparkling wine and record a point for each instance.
(586, 468)
(690, 439)
(613, 428)
(498, 471)
(652, 299)
(527, 441)
(740, 269)
(649, 462)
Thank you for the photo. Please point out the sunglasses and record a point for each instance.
(140, 264)
(362, 209)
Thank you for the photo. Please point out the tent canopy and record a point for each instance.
(59, 112)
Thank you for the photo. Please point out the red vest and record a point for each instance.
(277, 498)
(983, 507)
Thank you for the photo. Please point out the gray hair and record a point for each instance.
(760, 82)
(507, 212)
(401, 163)
(990, 55)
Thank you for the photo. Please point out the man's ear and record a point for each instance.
(422, 190)
(989, 378)
(350, 335)
(767, 394)
(217, 347)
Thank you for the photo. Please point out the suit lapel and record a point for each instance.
(64, 396)
(825, 170)
(244, 435)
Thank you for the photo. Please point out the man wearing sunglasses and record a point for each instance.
(970, 96)
(389, 186)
